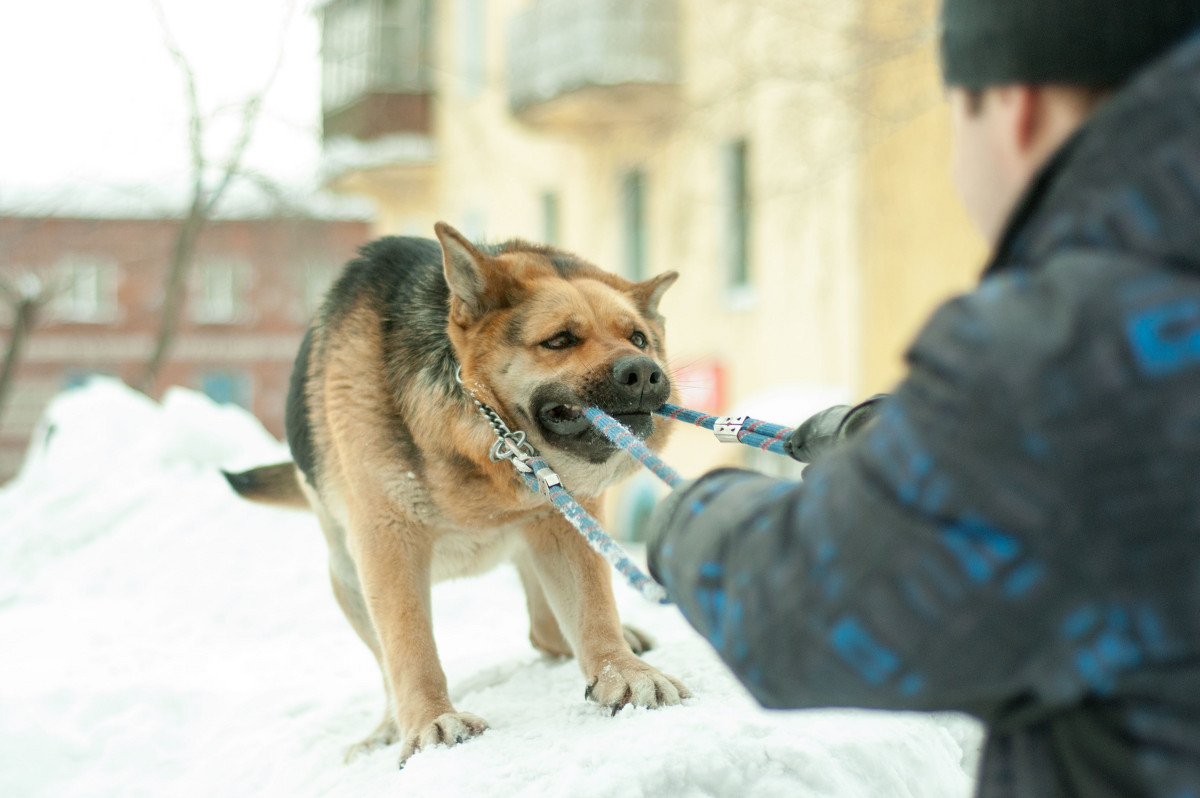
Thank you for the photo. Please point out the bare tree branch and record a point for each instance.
(27, 296)
(250, 115)
(195, 118)
(205, 199)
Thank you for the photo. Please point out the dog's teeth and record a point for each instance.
(567, 411)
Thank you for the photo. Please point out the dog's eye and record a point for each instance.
(562, 340)
(638, 339)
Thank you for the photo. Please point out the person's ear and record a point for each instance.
(1028, 118)
(1019, 125)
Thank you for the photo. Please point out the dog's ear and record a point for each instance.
(467, 271)
(649, 292)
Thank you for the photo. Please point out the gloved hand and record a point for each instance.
(823, 431)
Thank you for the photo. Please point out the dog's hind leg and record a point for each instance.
(348, 591)
(350, 599)
(385, 734)
(544, 631)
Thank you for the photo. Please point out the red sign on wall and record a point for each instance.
(701, 386)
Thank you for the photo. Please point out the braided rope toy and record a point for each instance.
(541, 478)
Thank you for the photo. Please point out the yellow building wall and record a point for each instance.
(855, 236)
(918, 245)
(749, 74)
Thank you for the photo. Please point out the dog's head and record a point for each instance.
(542, 334)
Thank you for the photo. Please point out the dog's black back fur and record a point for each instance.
(402, 279)
(295, 416)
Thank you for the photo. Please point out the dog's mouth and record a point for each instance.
(568, 419)
(557, 413)
(563, 419)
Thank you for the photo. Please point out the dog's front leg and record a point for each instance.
(578, 585)
(393, 561)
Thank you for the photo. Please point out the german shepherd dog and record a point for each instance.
(392, 454)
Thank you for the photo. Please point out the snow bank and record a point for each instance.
(162, 637)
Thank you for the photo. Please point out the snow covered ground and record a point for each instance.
(160, 637)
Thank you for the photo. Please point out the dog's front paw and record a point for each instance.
(628, 680)
(447, 729)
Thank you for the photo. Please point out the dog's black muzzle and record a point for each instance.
(634, 389)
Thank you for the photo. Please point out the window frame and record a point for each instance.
(206, 307)
(738, 217)
(634, 238)
(102, 303)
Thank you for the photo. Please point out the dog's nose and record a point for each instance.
(637, 374)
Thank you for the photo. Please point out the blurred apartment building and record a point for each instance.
(787, 157)
(255, 283)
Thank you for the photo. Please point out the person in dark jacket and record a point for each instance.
(1016, 532)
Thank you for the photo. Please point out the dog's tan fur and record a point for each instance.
(395, 525)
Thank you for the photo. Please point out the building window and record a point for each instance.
(550, 220)
(472, 45)
(633, 224)
(736, 202)
(87, 291)
(79, 378)
(227, 387)
(218, 292)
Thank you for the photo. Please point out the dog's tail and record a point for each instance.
(274, 484)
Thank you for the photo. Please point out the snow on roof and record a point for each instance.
(342, 154)
(171, 198)
(162, 636)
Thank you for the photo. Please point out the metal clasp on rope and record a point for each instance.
(726, 428)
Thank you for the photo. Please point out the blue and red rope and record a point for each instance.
(597, 538)
(754, 432)
(761, 434)
(623, 438)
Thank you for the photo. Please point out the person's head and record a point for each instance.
(1023, 75)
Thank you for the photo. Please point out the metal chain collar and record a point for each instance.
(509, 445)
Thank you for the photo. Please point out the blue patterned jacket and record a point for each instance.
(1017, 535)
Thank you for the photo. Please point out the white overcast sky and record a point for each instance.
(89, 95)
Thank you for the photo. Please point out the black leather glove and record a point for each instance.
(823, 431)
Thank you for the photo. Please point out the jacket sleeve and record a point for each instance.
(915, 567)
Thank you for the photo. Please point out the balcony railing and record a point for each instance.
(593, 62)
(376, 68)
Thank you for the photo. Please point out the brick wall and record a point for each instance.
(273, 270)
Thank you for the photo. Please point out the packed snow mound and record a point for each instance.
(163, 637)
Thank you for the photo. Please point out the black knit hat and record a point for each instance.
(1097, 43)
